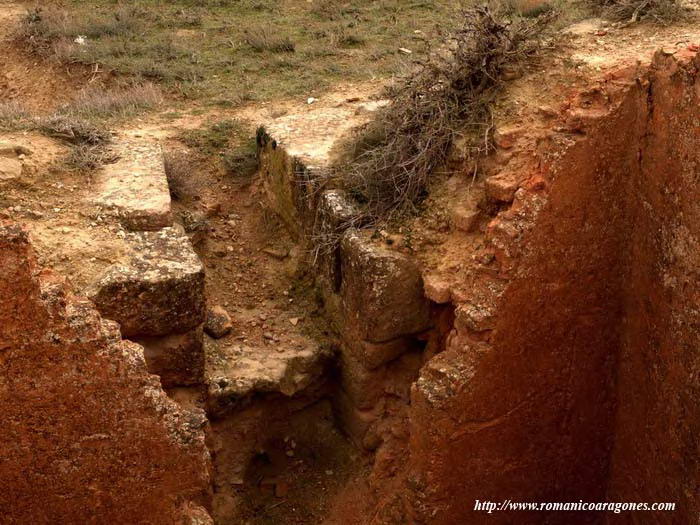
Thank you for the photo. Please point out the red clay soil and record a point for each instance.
(572, 371)
(88, 436)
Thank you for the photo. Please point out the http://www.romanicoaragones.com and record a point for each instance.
(579, 506)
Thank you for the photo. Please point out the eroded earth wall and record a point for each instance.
(572, 371)
(656, 452)
(88, 436)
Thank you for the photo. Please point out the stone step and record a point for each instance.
(158, 289)
(235, 372)
(135, 188)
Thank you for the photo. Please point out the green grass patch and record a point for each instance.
(228, 140)
(239, 50)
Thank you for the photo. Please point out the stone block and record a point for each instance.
(237, 372)
(135, 188)
(374, 355)
(159, 290)
(363, 387)
(382, 290)
(336, 213)
(356, 422)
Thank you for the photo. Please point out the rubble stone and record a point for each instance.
(218, 322)
(502, 187)
(10, 169)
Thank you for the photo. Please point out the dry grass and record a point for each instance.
(13, 116)
(389, 166)
(44, 28)
(86, 158)
(632, 11)
(264, 40)
(85, 121)
(95, 103)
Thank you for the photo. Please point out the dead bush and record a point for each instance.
(14, 116)
(389, 164)
(73, 129)
(88, 157)
(635, 10)
(264, 40)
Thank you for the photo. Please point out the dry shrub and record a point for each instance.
(450, 95)
(264, 40)
(635, 10)
(13, 116)
(87, 157)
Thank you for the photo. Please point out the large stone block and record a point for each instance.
(382, 290)
(336, 213)
(363, 387)
(178, 359)
(135, 188)
(159, 290)
(237, 372)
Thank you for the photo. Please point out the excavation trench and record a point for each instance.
(557, 362)
(562, 368)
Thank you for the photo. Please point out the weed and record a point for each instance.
(214, 138)
(96, 103)
(241, 161)
(236, 43)
(179, 172)
(230, 141)
(14, 116)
